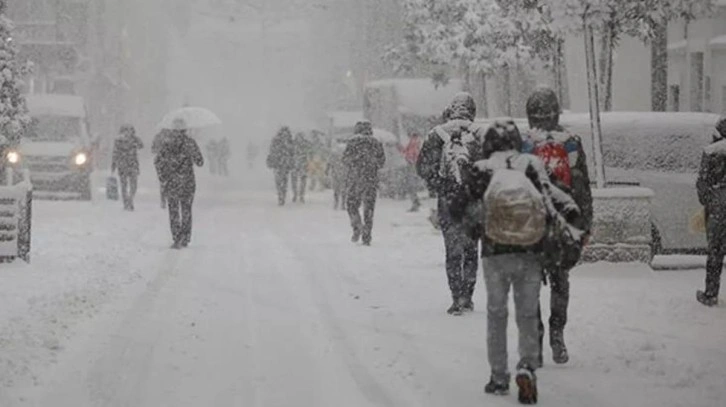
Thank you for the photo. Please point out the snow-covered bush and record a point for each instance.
(13, 111)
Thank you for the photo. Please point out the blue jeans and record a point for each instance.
(522, 272)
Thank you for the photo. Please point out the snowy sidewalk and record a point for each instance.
(275, 307)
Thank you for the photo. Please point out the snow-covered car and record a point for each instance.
(56, 148)
(662, 152)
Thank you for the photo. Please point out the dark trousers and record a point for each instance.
(362, 195)
(180, 218)
(462, 255)
(281, 179)
(716, 234)
(299, 183)
(559, 282)
(129, 184)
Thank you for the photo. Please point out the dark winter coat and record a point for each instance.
(159, 140)
(175, 165)
(711, 183)
(461, 114)
(125, 157)
(363, 158)
(303, 152)
(282, 152)
(580, 190)
(502, 143)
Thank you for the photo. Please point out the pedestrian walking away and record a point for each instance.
(565, 160)
(175, 167)
(125, 160)
(512, 218)
(159, 140)
(302, 148)
(447, 147)
(336, 171)
(411, 152)
(281, 160)
(711, 187)
(363, 158)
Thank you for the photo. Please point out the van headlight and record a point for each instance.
(13, 157)
(80, 159)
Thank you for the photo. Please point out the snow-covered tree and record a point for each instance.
(477, 37)
(13, 111)
(643, 19)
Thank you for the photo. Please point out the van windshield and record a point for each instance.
(54, 128)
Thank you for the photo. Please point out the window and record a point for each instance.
(54, 128)
(675, 92)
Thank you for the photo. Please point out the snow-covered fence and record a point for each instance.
(621, 226)
(16, 203)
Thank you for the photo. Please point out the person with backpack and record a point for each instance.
(711, 188)
(125, 159)
(565, 160)
(446, 148)
(175, 168)
(281, 160)
(509, 202)
(363, 158)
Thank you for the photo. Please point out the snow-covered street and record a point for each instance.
(275, 307)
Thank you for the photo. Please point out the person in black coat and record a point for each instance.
(125, 159)
(462, 260)
(175, 166)
(281, 160)
(711, 188)
(363, 158)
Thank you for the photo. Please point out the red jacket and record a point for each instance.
(411, 150)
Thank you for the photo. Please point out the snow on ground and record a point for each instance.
(275, 307)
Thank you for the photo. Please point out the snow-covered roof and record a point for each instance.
(56, 105)
(421, 96)
(344, 118)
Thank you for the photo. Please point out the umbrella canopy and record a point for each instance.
(189, 118)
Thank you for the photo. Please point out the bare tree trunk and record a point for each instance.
(659, 68)
(3, 6)
(484, 105)
(508, 90)
(606, 66)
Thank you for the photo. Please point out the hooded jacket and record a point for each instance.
(460, 114)
(502, 143)
(363, 157)
(125, 156)
(175, 164)
(282, 151)
(711, 182)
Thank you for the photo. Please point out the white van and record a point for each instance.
(57, 147)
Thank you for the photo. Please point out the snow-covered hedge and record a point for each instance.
(621, 226)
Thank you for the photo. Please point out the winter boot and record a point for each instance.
(705, 299)
(466, 304)
(559, 350)
(356, 235)
(527, 383)
(455, 308)
(496, 388)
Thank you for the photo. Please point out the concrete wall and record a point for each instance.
(621, 226)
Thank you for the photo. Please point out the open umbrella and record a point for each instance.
(189, 118)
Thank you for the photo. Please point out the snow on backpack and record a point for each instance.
(555, 156)
(454, 151)
(515, 213)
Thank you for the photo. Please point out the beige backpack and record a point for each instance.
(514, 210)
